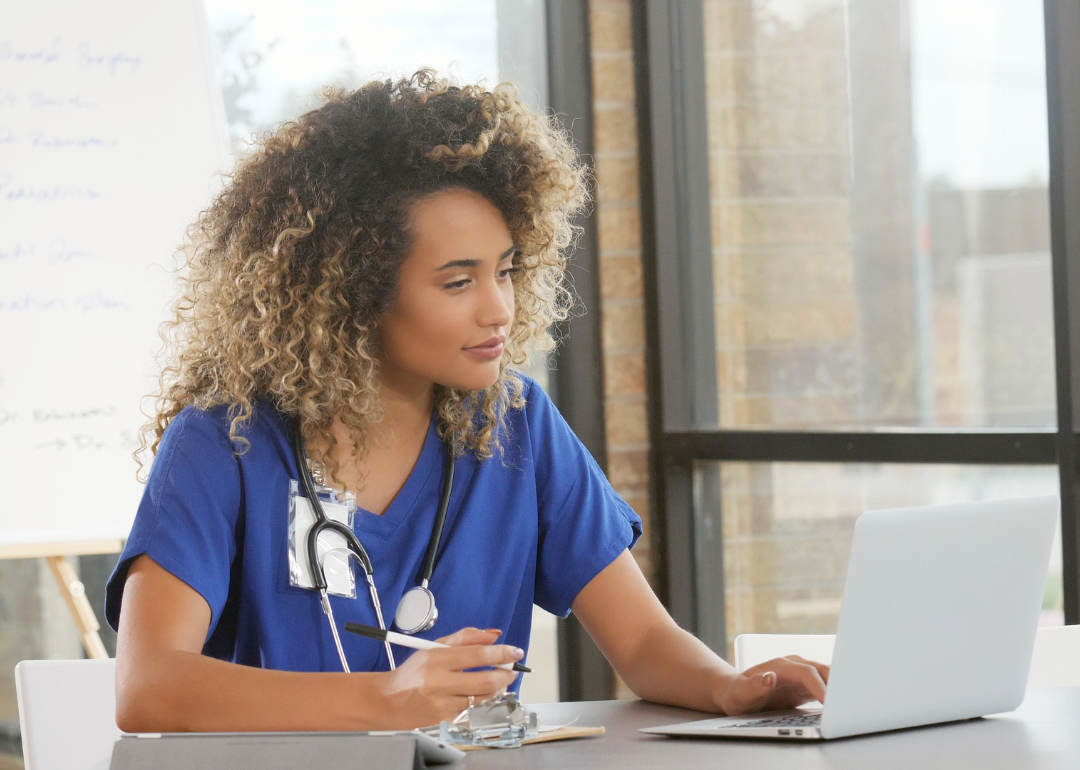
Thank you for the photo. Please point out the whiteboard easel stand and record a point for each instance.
(71, 588)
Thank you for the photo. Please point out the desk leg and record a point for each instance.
(74, 594)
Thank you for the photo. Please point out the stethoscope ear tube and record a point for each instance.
(322, 522)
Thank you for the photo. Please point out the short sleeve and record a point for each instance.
(188, 515)
(583, 523)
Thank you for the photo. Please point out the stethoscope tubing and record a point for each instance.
(325, 524)
(440, 520)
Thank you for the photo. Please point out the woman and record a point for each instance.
(377, 273)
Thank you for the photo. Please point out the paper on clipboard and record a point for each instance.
(563, 733)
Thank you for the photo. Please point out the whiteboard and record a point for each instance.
(112, 139)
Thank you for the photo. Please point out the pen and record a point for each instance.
(417, 644)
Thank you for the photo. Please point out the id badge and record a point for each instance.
(332, 548)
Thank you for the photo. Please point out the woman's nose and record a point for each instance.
(498, 306)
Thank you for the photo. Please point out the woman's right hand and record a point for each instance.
(434, 685)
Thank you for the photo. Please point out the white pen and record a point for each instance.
(417, 644)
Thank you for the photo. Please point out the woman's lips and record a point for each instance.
(487, 352)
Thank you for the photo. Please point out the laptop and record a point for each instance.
(938, 622)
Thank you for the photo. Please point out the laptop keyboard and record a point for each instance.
(797, 720)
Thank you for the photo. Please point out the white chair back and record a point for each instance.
(67, 713)
(1055, 663)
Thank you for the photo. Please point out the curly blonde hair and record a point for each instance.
(285, 274)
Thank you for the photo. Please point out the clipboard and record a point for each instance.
(558, 734)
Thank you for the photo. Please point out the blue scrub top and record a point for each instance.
(532, 526)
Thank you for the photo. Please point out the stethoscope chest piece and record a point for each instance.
(416, 611)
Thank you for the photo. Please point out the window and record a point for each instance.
(852, 299)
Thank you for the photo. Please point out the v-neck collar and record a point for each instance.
(405, 501)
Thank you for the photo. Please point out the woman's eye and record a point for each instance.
(463, 282)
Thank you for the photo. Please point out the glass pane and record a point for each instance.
(786, 529)
(880, 219)
(273, 60)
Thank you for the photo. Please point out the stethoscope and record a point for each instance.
(416, 611)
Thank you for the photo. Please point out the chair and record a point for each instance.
(1055, 662)
(67, 713)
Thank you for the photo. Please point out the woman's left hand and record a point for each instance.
(782, 683)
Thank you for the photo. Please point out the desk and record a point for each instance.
(1044, 733)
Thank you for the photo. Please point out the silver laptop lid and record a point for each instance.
(939, 614)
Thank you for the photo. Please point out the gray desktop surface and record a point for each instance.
(1044, 733)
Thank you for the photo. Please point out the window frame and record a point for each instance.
(676, 243)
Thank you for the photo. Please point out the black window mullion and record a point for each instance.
(578, 378)
(669, 49)
(1062, 19)
(989, 447)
